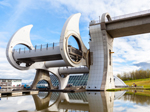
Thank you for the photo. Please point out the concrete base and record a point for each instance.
(34, 92)
(16, 94)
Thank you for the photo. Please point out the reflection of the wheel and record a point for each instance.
(43, 104)
(82, 101)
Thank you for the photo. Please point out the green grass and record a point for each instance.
(117, 89)
(139, 82)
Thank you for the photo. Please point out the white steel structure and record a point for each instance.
(97, 60)
(48, 59)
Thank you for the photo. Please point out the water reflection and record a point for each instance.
(71, 102)
(77, 102)
(138, 99)
(132, 103)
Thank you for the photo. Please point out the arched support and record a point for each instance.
(101, 47)
(104, 16)
(62, 81)
(41, 75)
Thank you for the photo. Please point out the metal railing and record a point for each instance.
(37, 47)
(123, 16)
(131, 15)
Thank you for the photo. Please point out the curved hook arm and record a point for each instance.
(22, 36)
(71, 27)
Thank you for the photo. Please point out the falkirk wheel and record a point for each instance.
(97, 61)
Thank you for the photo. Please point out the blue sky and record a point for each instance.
(48, 18)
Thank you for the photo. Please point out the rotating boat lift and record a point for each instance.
(51, 59)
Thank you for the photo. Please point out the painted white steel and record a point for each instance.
(57, 63)
(73, 70)
(22, 36)
(71, 28)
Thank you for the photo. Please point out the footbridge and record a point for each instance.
(97, 60)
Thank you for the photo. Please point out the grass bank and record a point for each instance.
(117, 89)
(139, 82)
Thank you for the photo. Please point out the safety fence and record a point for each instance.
(37, 47)
(122, 16)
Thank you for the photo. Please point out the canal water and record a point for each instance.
(76, 102)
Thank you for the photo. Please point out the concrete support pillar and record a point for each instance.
(108, 80)
(62, 80)
(101, 65)
(41, 75)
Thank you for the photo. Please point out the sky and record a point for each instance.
(48, 18)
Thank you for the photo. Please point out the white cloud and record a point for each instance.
(133, 48)
(124, 68)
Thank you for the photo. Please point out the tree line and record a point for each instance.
(137, 74)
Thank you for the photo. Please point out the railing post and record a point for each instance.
(24, 50)
(47, 46)
(53, 45)
(35, 47)
(19, 50)
(29, 49)
(41, 47)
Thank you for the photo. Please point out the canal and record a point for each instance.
(76, 102)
